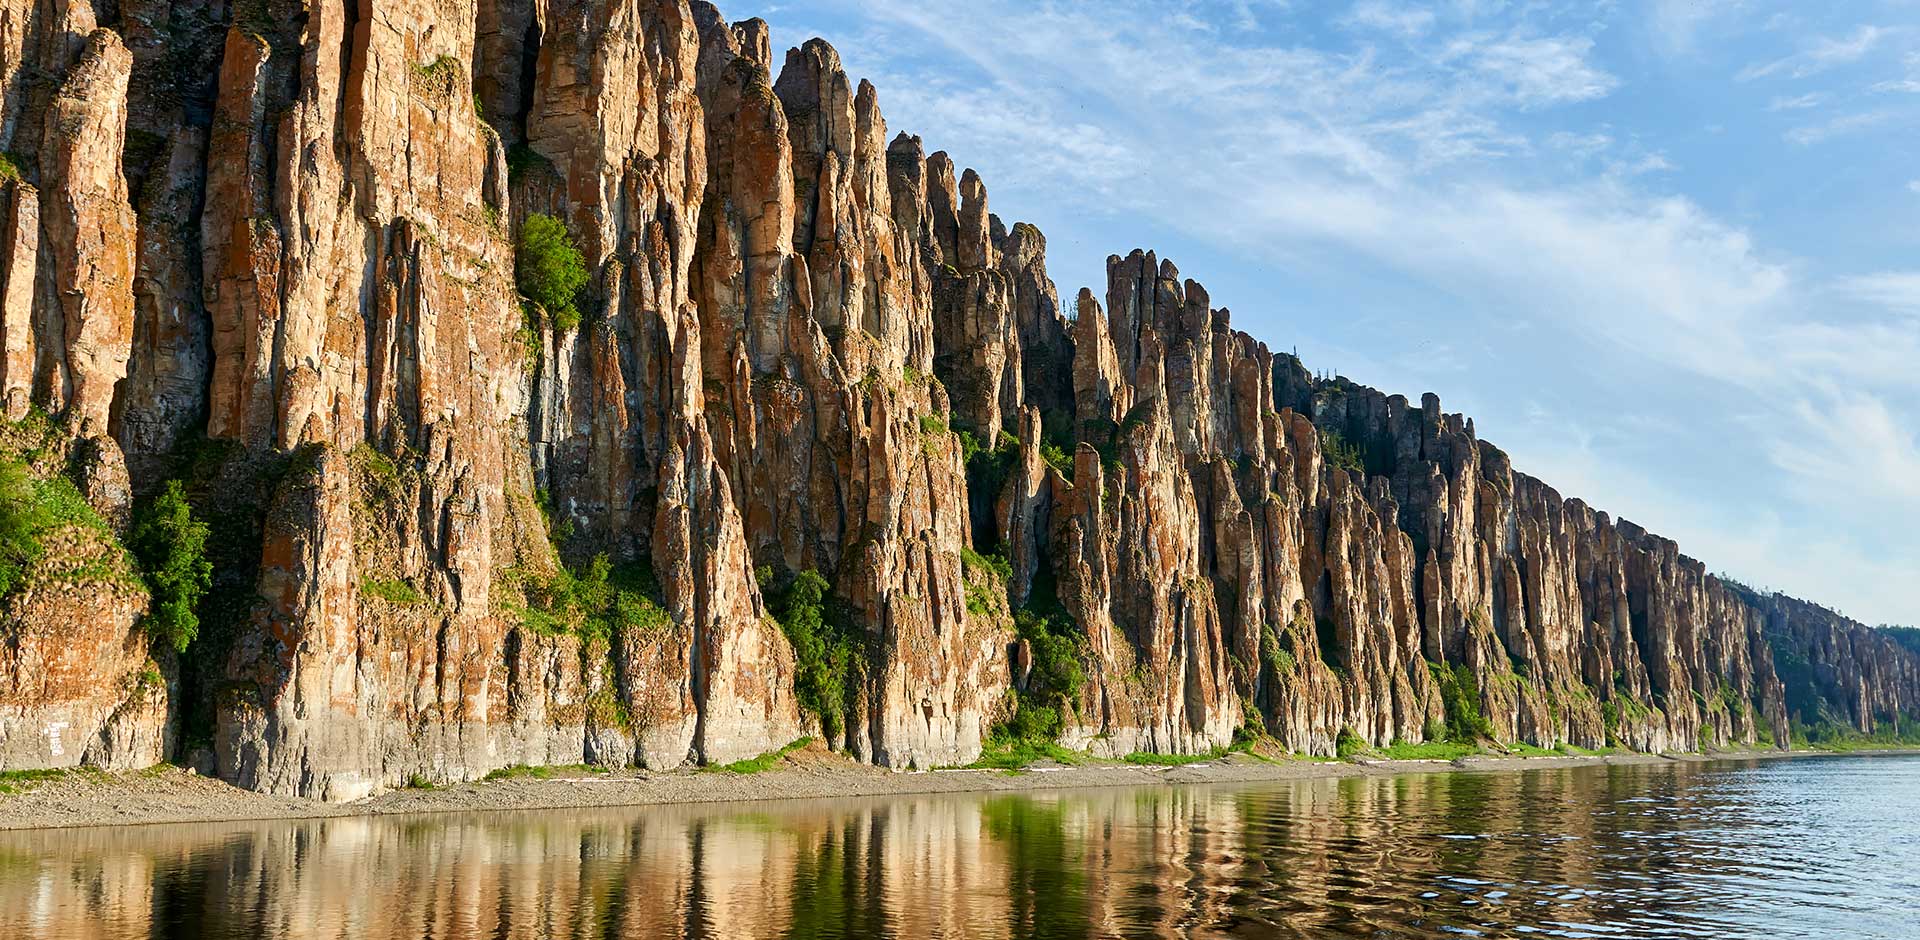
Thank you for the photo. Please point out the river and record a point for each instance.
(1807, 848)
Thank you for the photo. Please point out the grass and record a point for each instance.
(1428, 750)
(1523, 749)
(21, 781)
(420, 782)
(31, 509)
(1015, 755)
(1145, 759)
(541, 772)
(1575, 750)
(396, 592)
(764, 762)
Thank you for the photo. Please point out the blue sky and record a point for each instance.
(1663, 252)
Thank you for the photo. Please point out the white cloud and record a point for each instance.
(1910, 84)
(1811, 134)
(1914, 186)
(1676, 24)
(1534, 71)
(1894, 290)
(1850, 442)
(1397, 19)
(1824, 53)
(1797, 102)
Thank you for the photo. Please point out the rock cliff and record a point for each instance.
(284, 255)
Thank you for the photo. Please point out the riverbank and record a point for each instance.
(165, 794)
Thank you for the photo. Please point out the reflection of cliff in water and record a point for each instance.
(1650, 851)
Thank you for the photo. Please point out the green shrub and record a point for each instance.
(827, 661)
(988, 467)
(1056, 647)
(595, 602)
(1339, 453)
(1460, 694)
(549, 270)
(933, 425)
(171, 544)
(23, 516)
(995, 564)
(1057, 458)
(1278, 659)
(1348, 744)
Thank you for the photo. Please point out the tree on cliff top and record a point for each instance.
(549, 270)
(172, 547)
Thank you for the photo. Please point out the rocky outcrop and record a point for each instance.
(273, 258)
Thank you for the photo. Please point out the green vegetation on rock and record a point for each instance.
(593, 602)
(549, 270)
(1348, 744)
(395, 591)
(1428, 750)
(828, 659)
(1460, 695)
(30, 510)
(1339, 452)
(171, 544)
(764, 762)
(541, 772)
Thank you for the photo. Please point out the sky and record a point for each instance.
(1663, 252)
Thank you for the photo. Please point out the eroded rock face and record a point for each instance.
(274, 259)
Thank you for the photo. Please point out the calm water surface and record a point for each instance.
(1816, 848)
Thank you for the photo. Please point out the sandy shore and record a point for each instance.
(171, 795)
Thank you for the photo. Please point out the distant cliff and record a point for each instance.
(777, 431)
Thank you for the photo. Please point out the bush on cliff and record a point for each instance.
(549, 270)
(826, 659)
(29, 509)
(1339, 452)
(172, 547)
(1058, 648)
(23, 516)
(595, 602)
(1460, 694)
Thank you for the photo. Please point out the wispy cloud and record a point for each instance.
(1894, 290)
(1797, 102)
(1393, 18)
(1677, 24)
(1539, 71)
(1824, 53)
(1810, 134)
